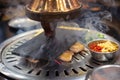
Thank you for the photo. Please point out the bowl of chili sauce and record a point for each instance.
(103, 50)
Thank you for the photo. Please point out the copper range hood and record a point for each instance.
(46, 10)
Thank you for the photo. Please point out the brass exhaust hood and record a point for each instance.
(47, 10)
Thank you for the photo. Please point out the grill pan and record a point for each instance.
(15, 67)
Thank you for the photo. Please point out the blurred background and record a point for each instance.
(100, 15)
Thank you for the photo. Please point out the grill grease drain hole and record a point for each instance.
(75, 71)
(38, 73)
(90, 66)
(83, 69)
(66, 73)
(17, 67)
(29, 72)
(56, 73)
(47, 73)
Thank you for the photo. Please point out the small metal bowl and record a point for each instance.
(105, 72)
(103, 56)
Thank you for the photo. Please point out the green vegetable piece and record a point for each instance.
(100, 35)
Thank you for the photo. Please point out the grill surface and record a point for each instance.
(15, 66)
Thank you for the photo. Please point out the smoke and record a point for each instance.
(13, 12)
(15, 8)
(109, 2)
(95, 21)
(105, 2)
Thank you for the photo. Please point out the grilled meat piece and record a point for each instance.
(66, 56)
(95, 9)
(77, 47)
(32, 60)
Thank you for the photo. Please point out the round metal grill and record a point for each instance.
(15, 66)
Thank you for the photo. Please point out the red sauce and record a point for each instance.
(95, 47)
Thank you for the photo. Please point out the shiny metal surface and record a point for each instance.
(10, 64)
(54, 6)
(106, 72)
(23, 22)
